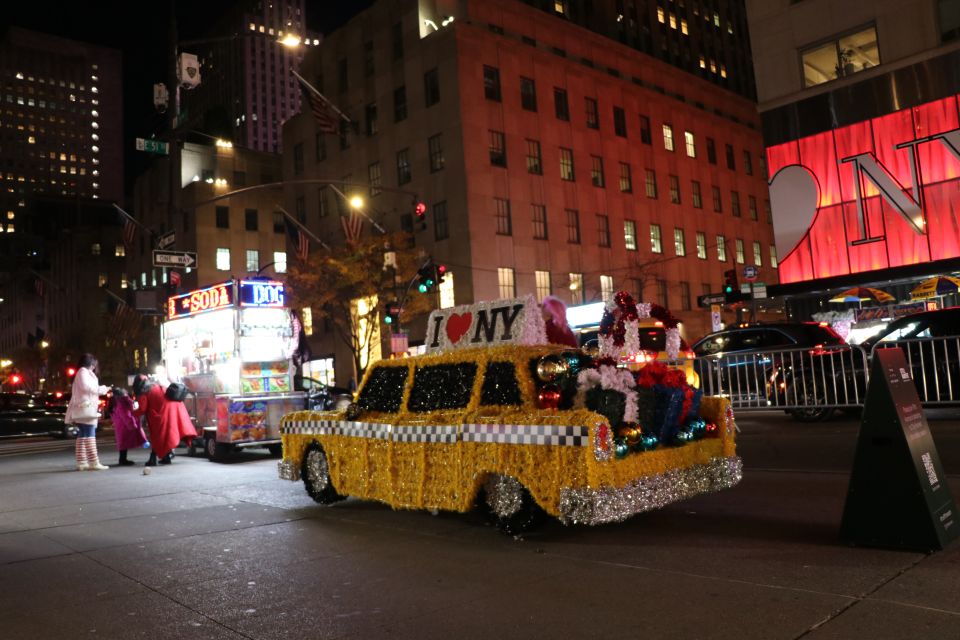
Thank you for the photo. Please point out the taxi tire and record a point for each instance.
(527, 517)
(322, 491)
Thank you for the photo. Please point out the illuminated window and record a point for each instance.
(31, 140)
(539, 221)
(280, 261)
(668, 137)
(95, 249)
(721, 249)
(673, 21)
(119, 250)
(566, 164)
(101, 280)
(656, 239)
(679, 242)
(576, 288)
(650, 183)
(306, 315)
(703, 62)
(757, 254)
(841, 57)
(683, 27)
(253, 260)
(701, 245)
(447, 298)
(606, 287)
(691, 144)
(626, 181)
(630, 235)
(123, 281)
(738, 245)
(543, 284)
(505, 281)
(773, 256)
(661, 15)
(223, 259)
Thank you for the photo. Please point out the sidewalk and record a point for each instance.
(203, 550)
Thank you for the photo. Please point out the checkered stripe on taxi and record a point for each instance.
(542, 435)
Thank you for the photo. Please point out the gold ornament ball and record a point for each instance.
(591, 349)
(551, 367)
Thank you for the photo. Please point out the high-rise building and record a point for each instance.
(247, 89)
(860, 119)
(552, 160)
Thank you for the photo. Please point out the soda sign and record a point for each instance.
(217, 296)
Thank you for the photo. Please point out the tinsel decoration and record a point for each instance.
(442, 386)
(383, 389)
(500, 385)
(666, 419)
(608, 403)
(673, 343)
(619, 327)
(549, 397)
(610, 378)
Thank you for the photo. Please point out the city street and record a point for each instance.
(203, 550)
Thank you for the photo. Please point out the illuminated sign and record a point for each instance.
(876, 194)
(217, 296)
(261, 293)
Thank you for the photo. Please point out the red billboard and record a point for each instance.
(880, 193)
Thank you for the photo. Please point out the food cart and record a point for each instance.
(231, 345)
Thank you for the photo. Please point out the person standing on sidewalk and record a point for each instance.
(83, 411)
(168, 420)
(126, 426)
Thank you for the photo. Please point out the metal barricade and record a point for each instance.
(934, 366)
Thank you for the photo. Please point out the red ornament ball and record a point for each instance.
(711, 431)
(549, 397)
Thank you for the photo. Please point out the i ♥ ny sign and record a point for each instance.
(515, 321)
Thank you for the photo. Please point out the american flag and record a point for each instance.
(327, 120)
(129, 229)
(38, 286)
(175, 278)
(352, 227)
(126, 319)
(299, 240)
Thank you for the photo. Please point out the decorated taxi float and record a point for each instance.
(494, 416)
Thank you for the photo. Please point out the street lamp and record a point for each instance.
(356, 202)
(44, 344)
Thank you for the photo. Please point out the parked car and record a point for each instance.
(24, 415)
(930, 343)
(775, 364)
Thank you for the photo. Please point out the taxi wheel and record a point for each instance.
(510, 506)
(315, 472)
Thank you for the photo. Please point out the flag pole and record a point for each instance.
(45, 279)
(302, 227)
(321, 96)
(132, 219)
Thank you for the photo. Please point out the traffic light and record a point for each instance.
(15, 378)
(441, 270)
(392, 315)
(730, 281)
(71, 371)
(420, 211)
(427, 277)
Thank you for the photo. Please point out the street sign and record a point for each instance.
(759, 290)
(174, 258)
(153, 146)
(745, 288)
(750, 273)
(708, 299)
(167, 240)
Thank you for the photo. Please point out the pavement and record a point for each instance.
(204, 550)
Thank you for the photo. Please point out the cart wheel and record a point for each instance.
(276, 450)
(510, 506)
(316, 476)
(216, 451)
(196, 448)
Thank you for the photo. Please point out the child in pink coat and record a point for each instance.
(126, 427)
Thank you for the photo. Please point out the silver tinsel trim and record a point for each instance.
(606, 504)
(287, 470)
(504, 495)
(317, 469)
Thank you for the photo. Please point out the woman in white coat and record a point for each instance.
(83, 411)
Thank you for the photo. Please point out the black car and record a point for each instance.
(931, 345)
(24, 414)
(789, 363)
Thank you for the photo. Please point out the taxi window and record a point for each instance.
(500, 385)
(442, 386)
(384, 389)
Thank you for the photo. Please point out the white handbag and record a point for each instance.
(86, 412)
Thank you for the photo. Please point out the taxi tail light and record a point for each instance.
(689, 354)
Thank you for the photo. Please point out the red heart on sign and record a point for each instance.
(458, 325)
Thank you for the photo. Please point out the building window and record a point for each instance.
(738, 245)
(223, 217)
(717, 201)
(560, 106)
(662, 299)
(95, 249)
(773, 256)
(119, 251)
(606, 288)
(403, 166)
(344, 135)
(576, 288)
(630, 235)
(250, 221)
(528, 94)
(239, 178)
(757, 254)
(691, 144)
(679, 242)
(253, 260)
(374, 179)
(441, 229)
(298, 158)
(508, 289)
(342, 77)
(371, 116)
(651, 183)
(539, 222)
(223, 259)
(278, 224)
(573, 226)
(768, 211)
(435, 147)
(731, 159)
(593, 116)
(752, 207)
(701, 245)
(721, 249)
(645, 135)
(619, 122)
(603, 230)
(102, 280)
(491, 83)
(841, 57)
(711, 151)
(399, 104)
(280, 261)
(668, 137)
(566, 164)
(735, 204)
(697, 198)
(321, 149)
(431, 87)
(543, 284)
(504, 225)
(368, 63)
(596, 171)
(498, 149)
(533, 157)
(674, 190)
(626, 182)
(656, 240)
(397, 41)
(685, 296)
(747, 163)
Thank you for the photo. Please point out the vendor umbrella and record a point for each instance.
(936, 287)
(859, 294)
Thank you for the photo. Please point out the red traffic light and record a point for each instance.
(16, 379)
(71, 371)
(441, 269)
(420, 209)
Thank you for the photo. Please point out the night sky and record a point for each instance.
(143, 40)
